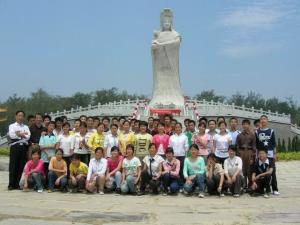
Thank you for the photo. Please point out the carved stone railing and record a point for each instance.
(210, 108)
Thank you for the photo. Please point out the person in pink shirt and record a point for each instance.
(34, 174)
(161, 140)
(113, 172)
(201, 140)
(170, 174)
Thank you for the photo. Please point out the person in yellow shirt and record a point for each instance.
(97, 139)
(78, 174)
(126, 137)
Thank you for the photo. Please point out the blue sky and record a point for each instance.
(68, 46)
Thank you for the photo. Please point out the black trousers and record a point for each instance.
(147, 179)
(213, 184)
(17, 161)
(274, 177)
(263, 184)
(181, 177)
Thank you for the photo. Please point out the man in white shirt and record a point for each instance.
(180, 145)
(111, 140)
(233, 169)
(233, 132)
(19, 134)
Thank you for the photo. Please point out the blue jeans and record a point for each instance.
(52, 178)
(128, 185)
(114, 181)
(170, 182)
(197, 181)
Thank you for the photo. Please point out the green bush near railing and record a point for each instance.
(288, 156)
(4, 151)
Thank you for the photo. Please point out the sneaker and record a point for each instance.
(101, 193)
(201, 195)
(181, 190)
(40, 191)
(236, 196)
(222, 195)
(165, 194)
(25, 189)
(266, 196)
(50, 190)
(276, 193)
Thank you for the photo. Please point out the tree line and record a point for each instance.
(43, 102)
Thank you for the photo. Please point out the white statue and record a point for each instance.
(165, 59)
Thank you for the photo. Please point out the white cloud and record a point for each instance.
(248, 26)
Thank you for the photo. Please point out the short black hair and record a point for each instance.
(222, 122)
(59, 150)
(264, 116)
(170, 150)
(178, 123)
(130, 146)
(96, 118)
(58, 119)
(256, 121)
(246, 121)
(232, 147)
(52, 122)
(114, 125)
(99, 149)
(90, 117)
(20, 111)
(212, 121)
(143, 123)
(106, 118)
(66, 124)
(29, 117)
(192, 121)
(194, 146)
(75, 157)
(47, 116)
(115, 148)
(203, 119)
(233, 118)
(82, 116)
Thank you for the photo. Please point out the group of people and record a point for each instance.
(137, 157)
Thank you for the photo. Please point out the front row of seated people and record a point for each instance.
(128, 175)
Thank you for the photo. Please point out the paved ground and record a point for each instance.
(66, 209)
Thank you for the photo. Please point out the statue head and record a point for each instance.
(166, 20)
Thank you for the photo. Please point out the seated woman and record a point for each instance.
(131, 173)
(214, 176)
(34, 174)
(78, 174)
(170, 174)
(233, 167)
(96, 175)
(57, 175)
(113, 173)
(152, 171)
(194, 172)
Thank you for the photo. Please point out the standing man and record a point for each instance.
(111, 140)
(19, 134)
(265, 138)
(233, 131)
(36, 131)
(246, 145)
